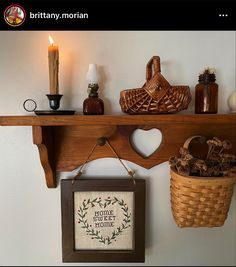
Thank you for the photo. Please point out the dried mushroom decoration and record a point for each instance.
(217, 163)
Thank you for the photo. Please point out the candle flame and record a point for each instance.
(50, 40)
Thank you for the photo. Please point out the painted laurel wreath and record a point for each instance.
(95, 234)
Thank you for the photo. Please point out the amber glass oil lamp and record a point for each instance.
(93, 105)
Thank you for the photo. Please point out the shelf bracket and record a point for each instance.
(43, 139)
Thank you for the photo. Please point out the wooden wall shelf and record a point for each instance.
(65, 141)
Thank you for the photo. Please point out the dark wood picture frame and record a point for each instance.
(69, 253)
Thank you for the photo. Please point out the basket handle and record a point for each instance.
(201, 138)
(156, 85)
(153, 66)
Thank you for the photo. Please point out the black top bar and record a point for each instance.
(123, 15)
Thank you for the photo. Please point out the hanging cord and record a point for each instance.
(82, 166)
(131, 173)
(101, 142)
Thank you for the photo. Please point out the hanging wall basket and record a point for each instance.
(200, 201)
(156, 96)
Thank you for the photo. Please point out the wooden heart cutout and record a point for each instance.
(103, 205)
(146, 142)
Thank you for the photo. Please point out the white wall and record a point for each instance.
(30, 232)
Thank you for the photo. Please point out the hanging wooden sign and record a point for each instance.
(103, 220)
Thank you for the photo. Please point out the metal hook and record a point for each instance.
(101, 141)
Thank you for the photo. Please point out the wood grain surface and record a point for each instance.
(64, 142)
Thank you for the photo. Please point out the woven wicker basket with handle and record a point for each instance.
(156, 95)
(200, 201)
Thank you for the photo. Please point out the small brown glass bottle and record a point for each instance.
(93, 105)
(206, 93)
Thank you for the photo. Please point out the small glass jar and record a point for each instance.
(206, 93)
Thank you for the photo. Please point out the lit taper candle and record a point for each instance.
(53, 62)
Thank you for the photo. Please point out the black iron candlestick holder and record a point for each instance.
(54, 101)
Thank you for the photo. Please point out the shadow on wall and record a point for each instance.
(102, 85)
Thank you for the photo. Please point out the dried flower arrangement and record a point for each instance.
(208, 70)
(216, 164)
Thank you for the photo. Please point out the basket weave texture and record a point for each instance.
(200, 202)
(156, 95)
